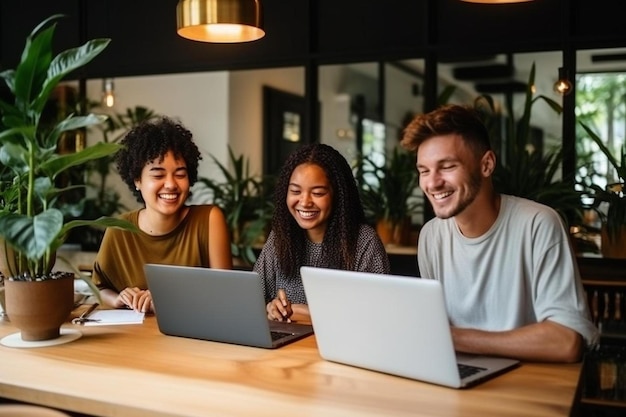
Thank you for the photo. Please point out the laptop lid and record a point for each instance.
(217, 305)
(392, 324)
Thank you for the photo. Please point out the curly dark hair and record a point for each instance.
(150, 140)
(340, 239)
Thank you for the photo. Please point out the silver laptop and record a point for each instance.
(392, 324)
(217, 305)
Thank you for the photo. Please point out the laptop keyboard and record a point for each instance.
(467, 370)
(279, 335)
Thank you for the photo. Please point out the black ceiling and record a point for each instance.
(304, 32)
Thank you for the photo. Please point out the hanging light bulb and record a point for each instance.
(220, 21)
(108, 95)
(563, 85)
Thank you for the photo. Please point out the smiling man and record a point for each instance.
(509, 274)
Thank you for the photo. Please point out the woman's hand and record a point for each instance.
(135, 299)
(279, 308)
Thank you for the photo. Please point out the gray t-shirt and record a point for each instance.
(521, 271)
(370, 257)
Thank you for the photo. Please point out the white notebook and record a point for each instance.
(114, 317)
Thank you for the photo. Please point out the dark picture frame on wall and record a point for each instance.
(284, 127)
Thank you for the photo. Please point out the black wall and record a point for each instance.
(304, 32)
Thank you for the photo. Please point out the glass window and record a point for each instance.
(601, 106)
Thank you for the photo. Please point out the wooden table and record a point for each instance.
(136, 371)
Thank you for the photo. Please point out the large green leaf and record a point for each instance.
(61, 163)
(72, 123)
(31, 236)
(43, 186)
(66, 62)
(22, 135)
(14, 157)
(101, 222)
(31, 71)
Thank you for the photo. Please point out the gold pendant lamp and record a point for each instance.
(495, 1)
(220, 21)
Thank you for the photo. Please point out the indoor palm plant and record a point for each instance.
(247, 204)
(32, 224)
(524, 171)
(613, 196)
(388, 194)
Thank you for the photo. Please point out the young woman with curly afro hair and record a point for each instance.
(159, 164)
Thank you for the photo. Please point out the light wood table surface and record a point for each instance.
(134, 370)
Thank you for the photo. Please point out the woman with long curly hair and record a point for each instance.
(159, 164)
(318, 221)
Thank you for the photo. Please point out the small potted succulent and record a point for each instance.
(32, 221)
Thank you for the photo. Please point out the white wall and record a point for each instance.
(401, 99)
(219, 108)
(198, 100)
(222, 109)
(335, 111)
(246, 107)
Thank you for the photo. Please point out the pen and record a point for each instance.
(88, 311)
(83, 317)
(282, 296)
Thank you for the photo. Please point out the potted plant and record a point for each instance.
(613, 196)
(388, 195)
(32, 224)
(246, 201)
(522, 170)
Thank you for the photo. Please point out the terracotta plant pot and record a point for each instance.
(39, 308)
(2, 303)
(391, 233)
